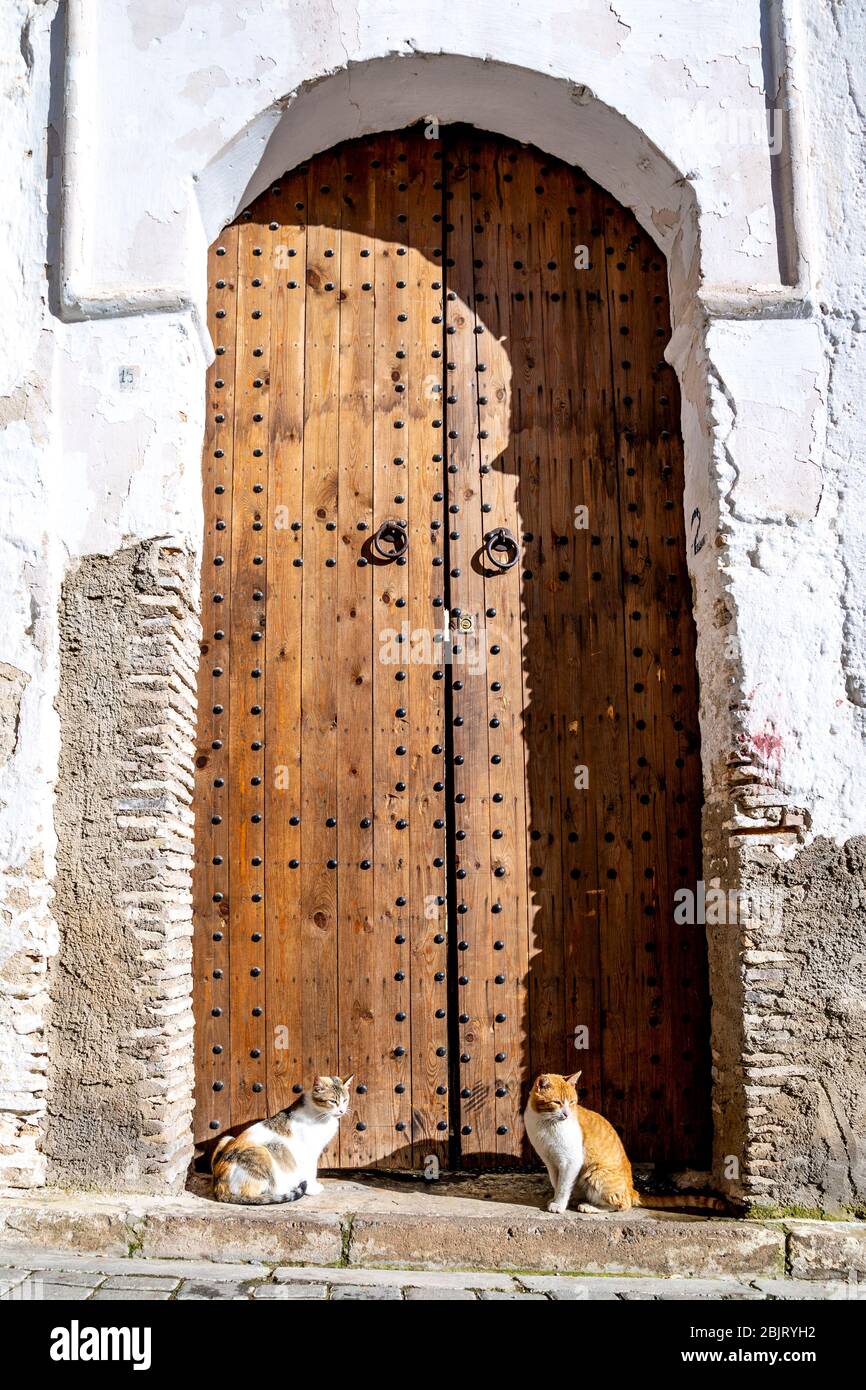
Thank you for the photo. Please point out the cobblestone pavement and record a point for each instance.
(63, 1277)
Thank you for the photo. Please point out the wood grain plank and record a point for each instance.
(427, 674)
(673, 1017)
(283, 953)
(544, 807)
(246, 757)
(651, 965)
(211, 956)
(319, 791)
(359, 987)
(476, 882)
(581, 406)
(577, 387)
(391, 1077)
(502, 623)
(608, 723)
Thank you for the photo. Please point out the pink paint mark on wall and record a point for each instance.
(769, 747)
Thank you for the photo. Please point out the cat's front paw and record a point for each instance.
(587, 1207)
(557, 1206)
(314, 1189)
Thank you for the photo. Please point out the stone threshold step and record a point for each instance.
(57, 1276)
(491, 1225)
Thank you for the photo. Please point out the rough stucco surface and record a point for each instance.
(805, 1030)
(120, 1023)
(693, 75)
(29, 573)
(169, 113)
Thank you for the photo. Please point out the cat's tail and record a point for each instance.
(295, 1194)
(682, 1201)
(265, 1199)
(268, 1200)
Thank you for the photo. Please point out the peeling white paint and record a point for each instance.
(688, 76)
(773, 434)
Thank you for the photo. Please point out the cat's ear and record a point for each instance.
(349, 1079)
(574, 1078)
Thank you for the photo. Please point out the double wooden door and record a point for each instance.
(448, 775)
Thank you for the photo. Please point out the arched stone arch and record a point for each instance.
(558, 116)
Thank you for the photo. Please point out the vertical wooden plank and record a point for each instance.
(284, 998)
(427, 672)
(672, 1018)
(577, 386)
(211, 965)
(544, 807)
(557, 355)
(319, 808)
(502, 625)
(579, 370)
(476, 883)
(391, 1078)
(651, 965)
(359, 988)
(607, 722)
(246, 758)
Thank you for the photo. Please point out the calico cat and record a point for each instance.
(579, 1146)
(275, 1160)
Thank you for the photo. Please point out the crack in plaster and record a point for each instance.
(855, 679)
(621, 22)
(716, 380)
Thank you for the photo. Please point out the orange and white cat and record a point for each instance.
(580, 1148)
(276, 1160)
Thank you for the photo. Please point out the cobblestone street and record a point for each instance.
(62, 1277)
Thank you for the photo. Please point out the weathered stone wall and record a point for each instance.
(120, 1025)
(804, 1029)
(28, 598)
(789, 1025)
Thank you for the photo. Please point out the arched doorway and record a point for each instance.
(448, 771)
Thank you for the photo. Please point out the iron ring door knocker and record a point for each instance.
(501, 548)
(391, 540)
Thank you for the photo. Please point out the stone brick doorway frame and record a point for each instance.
(134, 1130)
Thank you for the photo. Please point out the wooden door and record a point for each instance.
(448, 771)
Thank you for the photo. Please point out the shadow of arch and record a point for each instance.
(604, 954)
